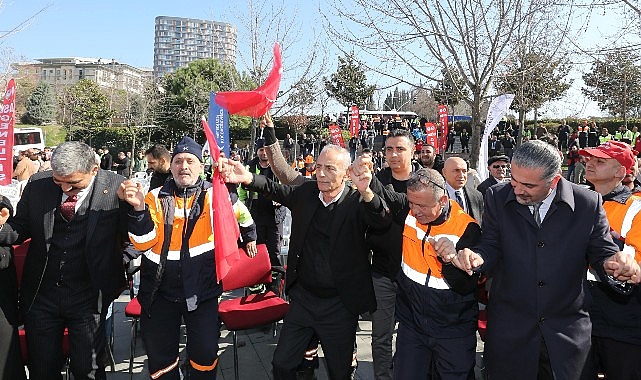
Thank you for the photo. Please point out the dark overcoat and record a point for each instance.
(539, 287)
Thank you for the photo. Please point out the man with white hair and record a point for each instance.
(328, 271)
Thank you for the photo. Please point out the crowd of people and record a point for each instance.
(403, 234)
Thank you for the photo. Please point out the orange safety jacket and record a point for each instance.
(622, 217)
(420, 262)
(426, 301)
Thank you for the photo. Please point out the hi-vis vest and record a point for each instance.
(420, 262)
(621, 218)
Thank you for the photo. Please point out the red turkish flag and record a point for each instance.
(254, 103)
(226, 230)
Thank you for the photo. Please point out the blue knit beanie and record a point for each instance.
(188, 145)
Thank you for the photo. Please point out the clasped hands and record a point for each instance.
(621, 266)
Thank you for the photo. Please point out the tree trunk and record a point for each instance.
(519, 138)
(477, 131)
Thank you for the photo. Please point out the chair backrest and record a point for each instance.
(249, 271)
(19, 257)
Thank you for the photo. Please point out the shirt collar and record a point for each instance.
(451, 190)
(545, 205)
(335, 199)
(82, 194)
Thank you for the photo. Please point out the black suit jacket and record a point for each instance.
(106, 229)
(349, 258)
(489, 182)
(474, 201)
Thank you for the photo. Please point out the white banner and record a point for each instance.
(498, 109)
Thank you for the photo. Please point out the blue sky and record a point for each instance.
(119, 29)
(124, 30)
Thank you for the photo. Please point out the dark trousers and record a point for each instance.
(11, 366)
(617, 360)
(330, 320)
(383, 323)
(161, 336)
(54, 309)
(419, 356)
(545, 367)
(270, 235)
(570, 174)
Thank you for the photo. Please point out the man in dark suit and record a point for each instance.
(73, 268)
(470, 199)
(497, 166)
(122, 164)
(539, 232)
(328, 271)
(106, 161)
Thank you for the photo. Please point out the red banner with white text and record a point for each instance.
(354, 121)
(7, 113)
(431, 136)
(335, 135)
(442, 117)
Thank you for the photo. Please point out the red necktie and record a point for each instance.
(68, 207)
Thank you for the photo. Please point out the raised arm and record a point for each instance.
(281, 169)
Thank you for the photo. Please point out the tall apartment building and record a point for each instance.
(65, 72)
(179, 41)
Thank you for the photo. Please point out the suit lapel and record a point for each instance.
(53, 197)
(340, 213)
(525, 212)
(307, 216)
(522, 210)
(95, 201)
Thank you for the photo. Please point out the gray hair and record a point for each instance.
(72, 157)
(343, 154)
(427, 179)
(537, 154)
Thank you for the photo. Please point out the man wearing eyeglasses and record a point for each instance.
(497, 166)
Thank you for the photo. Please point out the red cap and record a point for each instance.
(618, 150)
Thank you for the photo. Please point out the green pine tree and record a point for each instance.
(41, 107)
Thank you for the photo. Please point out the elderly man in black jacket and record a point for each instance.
(328, 271)
(497, 167)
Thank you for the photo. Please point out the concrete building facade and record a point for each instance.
(65, 72)
(179, 41)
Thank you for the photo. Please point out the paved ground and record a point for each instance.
(255, 352)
